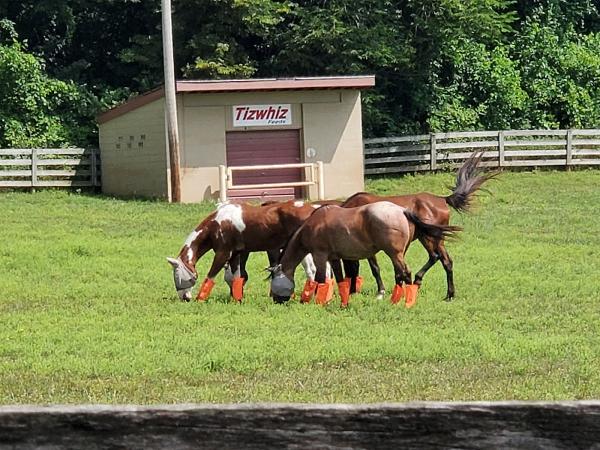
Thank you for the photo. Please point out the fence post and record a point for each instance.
(432, 143)
(500, 148)
(93, 164)
(569, 159)
(222, 183)
(321, 181)
(34, 169)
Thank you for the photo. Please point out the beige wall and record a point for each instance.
(133, 153)
(334, 131)
(331, 122)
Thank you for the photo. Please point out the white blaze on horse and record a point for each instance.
(333, 233)
(233, 231)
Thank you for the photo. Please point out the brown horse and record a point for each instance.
(333, 233)
(433, 209)
(233, 231)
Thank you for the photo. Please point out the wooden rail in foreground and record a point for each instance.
(505, 148)
(474, 425)
(61, 167)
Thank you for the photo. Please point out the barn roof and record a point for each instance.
(250, 85)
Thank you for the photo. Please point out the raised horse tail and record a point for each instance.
(429, 230)
(468, 180)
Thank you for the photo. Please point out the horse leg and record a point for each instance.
(402, 275)
(431, 247)
(376, 271)
(324, 286)
(351, 268)
(448, 266)
(243, 260)
(219, 261)
(240, 276)
(437, 251)
(343, 283)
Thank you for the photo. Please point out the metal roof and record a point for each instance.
(248, 85)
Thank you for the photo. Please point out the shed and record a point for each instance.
(308, 123)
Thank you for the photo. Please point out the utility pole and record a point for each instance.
(171, 101)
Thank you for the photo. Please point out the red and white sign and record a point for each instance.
(261, 115)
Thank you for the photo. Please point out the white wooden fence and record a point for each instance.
(64, 167)
(511, 148)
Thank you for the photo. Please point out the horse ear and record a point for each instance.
(173, 262)
(276, 268)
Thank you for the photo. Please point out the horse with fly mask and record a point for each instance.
(333, 233)
(233, 231)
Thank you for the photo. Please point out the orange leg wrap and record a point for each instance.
(237, 288)
(205, 289)
(359, 283)
(397, 294)
(308, 291)
(344, 290)
(411, 295)
(331, 283)
(322, 291)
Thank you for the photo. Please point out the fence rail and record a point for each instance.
(314, 173)
(476, 425)
(505, 148)
(63, 167)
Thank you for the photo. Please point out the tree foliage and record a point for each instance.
(36, 110)
(439, 64)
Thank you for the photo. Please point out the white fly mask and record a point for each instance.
(184, 279)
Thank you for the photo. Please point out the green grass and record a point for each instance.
(89, 314)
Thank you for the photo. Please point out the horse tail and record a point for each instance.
(435, 232)
(469, 179)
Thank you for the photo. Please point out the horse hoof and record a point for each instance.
(380, 295)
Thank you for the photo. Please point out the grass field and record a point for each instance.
(89, 314)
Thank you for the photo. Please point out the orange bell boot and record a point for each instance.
(411, 295)
(331, 283)
(322, 291)
(205, 289)
(359, 283)
(344, 290)
(397, 294)
(237, 288)
(308, 291)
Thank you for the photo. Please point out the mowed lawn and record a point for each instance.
(88, 312)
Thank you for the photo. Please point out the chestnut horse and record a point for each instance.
(233, 231)
(333, 233)
(433, 209)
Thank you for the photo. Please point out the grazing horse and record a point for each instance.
(430, 208)
(233, 231)
(333, 233)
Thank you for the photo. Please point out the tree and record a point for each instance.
(36, 110)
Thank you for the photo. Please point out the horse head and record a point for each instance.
(281, 286)
(184, 278)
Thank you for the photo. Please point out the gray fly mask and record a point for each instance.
(184, 279)
(281, 286)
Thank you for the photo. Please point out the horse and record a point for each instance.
(233, 231)
(333, 233)
(434, 210)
